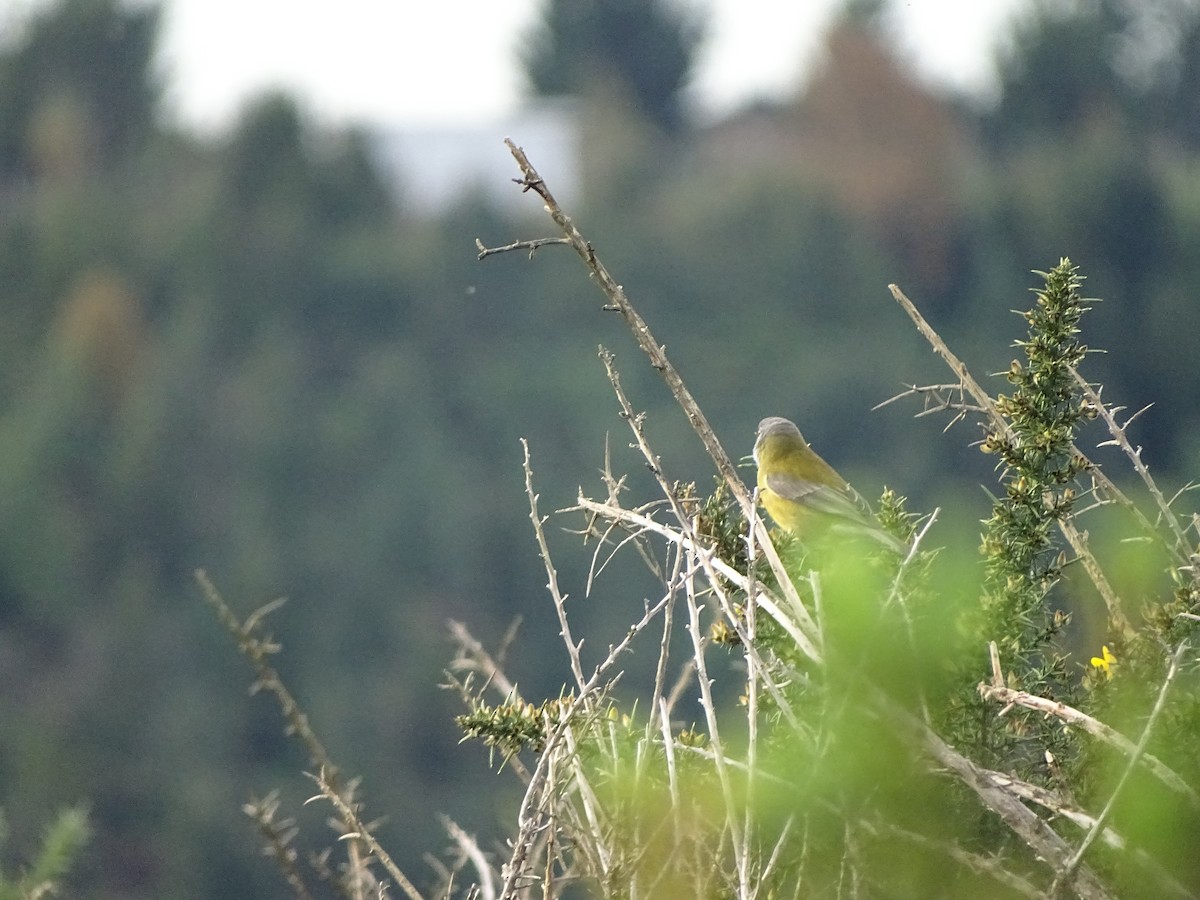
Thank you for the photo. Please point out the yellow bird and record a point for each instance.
(803, 493)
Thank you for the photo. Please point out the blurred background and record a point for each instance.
(242, 327)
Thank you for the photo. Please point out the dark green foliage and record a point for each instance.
(719, 520)
(646, 46)
(44, 874)
(1086, 64)
(78, 90)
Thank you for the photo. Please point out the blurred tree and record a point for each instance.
(304, 226)
(78, 90)
(99, 329)
(1058, 72)
(1174, 105)
(1092, 141)
(275, 155)
(885, 151)
(893, 153)
(647, 46)
(1071, 66)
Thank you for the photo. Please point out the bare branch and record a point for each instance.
(470, 849)
(533, 818)
(472, 655)
(358, 830)
(1079, 543)
(982, 398)
(774, 606)
(714, 733)
(560, 600)
(1120, 439)
(937, 398)
(1094, 727)
(1025, 823)
(258, 650)
(531, 246)
(655, 352)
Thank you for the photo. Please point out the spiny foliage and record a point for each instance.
(1036, 448)
(62, 842)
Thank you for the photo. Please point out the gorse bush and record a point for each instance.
(843, 720)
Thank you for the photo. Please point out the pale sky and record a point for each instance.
(425, 62)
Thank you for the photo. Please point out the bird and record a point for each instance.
(805, 495)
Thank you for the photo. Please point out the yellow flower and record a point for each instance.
(1105, 661)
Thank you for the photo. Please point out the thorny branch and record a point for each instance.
(560, 600)
(536, 816)
(655, 352)
(1025, 823)
(358, 831)
(532, 246)
(1120, 439)
(1094, 727)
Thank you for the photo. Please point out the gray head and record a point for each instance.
(773, 425)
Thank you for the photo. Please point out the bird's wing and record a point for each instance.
(847, 507)
(820, 498)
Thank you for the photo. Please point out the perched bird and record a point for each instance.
(803, 493)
